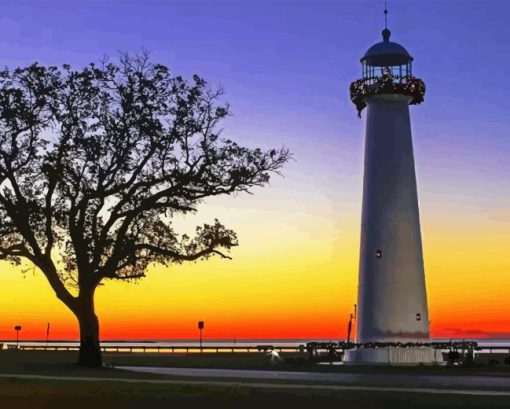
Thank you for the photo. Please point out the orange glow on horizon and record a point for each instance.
(294, 276)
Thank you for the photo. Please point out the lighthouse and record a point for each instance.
(392, 319)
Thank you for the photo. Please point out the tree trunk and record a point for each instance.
(90, 349)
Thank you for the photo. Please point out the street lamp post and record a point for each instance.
(47, 333)
(349, 328)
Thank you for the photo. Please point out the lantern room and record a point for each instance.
(386, 59)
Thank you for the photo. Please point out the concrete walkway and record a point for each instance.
(466, 384)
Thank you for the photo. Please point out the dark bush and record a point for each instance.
(493, 362)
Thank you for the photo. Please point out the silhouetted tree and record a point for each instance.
(94, 163)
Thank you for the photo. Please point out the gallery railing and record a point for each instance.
(386, 84)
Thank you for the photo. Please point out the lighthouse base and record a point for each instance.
(393, 356)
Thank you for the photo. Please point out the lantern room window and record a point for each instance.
(399, 73)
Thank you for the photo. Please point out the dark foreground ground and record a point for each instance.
(96, 394)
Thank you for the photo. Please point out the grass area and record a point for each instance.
(227, 360)
(62, 363)
(42, 394)
(298, 362)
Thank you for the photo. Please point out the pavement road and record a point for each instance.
(278, 375)
(444, 382)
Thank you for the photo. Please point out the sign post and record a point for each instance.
(17, 328)
(200, 328)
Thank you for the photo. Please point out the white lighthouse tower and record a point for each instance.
(393, 319)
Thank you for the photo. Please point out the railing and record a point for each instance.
(319, 347)
(399, 79)
(167, 349)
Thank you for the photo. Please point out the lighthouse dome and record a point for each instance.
(386, 53)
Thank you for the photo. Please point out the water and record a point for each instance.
(176, 343)
(486, 344)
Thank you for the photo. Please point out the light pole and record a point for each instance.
(47, 334)
(349, 327)
(17, 328)
(200, 328)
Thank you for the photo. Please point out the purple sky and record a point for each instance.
(286, 68)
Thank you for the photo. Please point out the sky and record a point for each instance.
(286, 67)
